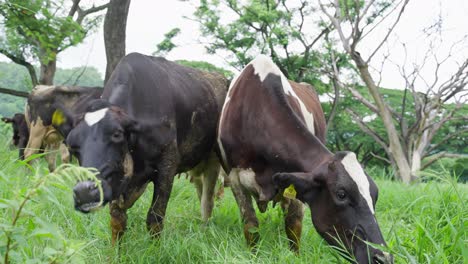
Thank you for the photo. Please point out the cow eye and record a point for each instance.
(117, 136)
(341, 194)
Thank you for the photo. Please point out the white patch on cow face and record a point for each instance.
(92, 118)
(356, 172)
(263, 66)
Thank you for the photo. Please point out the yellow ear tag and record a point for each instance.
(290, 192)
(58, 118)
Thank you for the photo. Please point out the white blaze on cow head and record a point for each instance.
(354, 169)
(92, 118)
(263, 66)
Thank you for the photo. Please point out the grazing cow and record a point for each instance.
(42, 102)
(20, 132)
(156, 118)
(271, 135)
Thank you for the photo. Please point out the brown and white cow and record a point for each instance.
(20, 132)
(42, 103)
(271, 135)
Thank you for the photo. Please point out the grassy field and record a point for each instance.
(422, 223)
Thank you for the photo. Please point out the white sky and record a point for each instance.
(148, 21)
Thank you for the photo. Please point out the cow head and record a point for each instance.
(342, 199)
(101, 139)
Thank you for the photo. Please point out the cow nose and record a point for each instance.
(84, 192)
(383, 258)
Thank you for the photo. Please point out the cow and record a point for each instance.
(155, 119)
(20, 132)
(271, 137)
(42, 103)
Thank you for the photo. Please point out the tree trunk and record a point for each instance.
(48, 72)
(115, 24)
(396, 149)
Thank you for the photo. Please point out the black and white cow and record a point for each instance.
(156, 118)
(271, 135)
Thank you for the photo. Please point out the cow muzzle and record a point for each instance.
(87, 196)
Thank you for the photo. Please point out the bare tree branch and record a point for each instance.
(430, 160)
(14, 92)
(444, 140)
(83, 13)
(74, 8)
(366, 129)
(23, 62)
(390, 30)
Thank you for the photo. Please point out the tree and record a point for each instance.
(37, 31)
(274, 28)
(115, 25)
(409, 130)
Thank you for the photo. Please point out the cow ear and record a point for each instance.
(62, 121)
(7, 120)
(303, 184)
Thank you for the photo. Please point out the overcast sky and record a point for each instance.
(149, 20)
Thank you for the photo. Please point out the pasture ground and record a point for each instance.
(422, 223)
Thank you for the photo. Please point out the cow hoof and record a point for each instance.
(155, 230)
(251, 235)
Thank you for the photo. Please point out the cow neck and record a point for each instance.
(309, 152)
(314, 155)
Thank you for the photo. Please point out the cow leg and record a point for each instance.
(36, 135)
(198, 182)
(210, 176)
(65, 155)
(51, 155)
(244, 201)
(118, 221)
(22, 144)
(220, 193)
(294, 213)
(162, 190)
(118, 212)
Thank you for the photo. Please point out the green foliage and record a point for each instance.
(40, 28)
(165, 46)
(14, 76)
(37, 30)
(79, 76)
(35, 26)
(276, 28)
(206, 66)
(25, 235)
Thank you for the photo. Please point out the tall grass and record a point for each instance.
(422, 223)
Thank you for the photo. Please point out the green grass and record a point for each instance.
(422, 223)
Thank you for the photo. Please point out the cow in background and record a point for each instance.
(271, 136)
(42, 103)
(20, 132)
